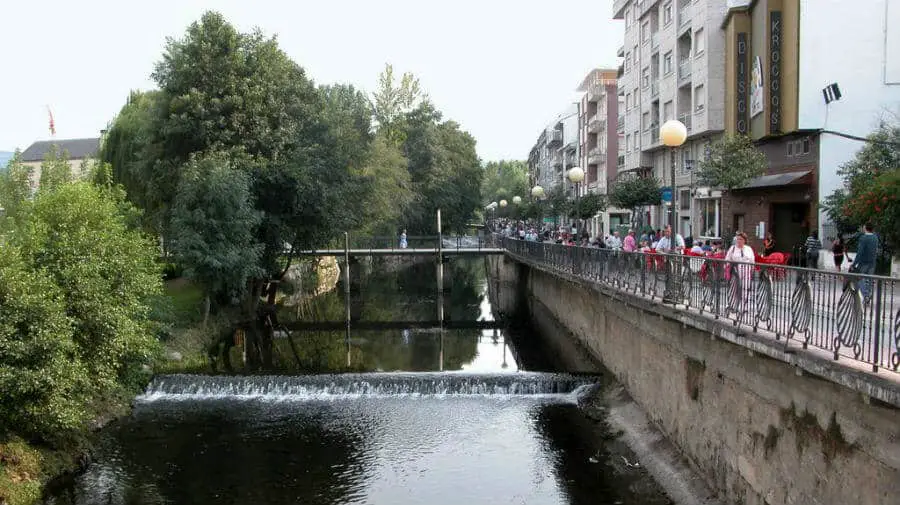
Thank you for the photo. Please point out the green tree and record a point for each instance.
(131, 156)
(106, 272)
(731, 163)
(871, 185)
(55, 169)
(15, 189)
(558, 202)
(390, 189)
(393, 101)
(444, 170)
(635, 193)
(588, 206)
(504, 179)
(349, 118)
(43, 383)
(214, 201)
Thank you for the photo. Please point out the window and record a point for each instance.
(628, 143)
(645, 31)
(627, 61)
(667, 63)
(634, 55)
(684, 196)
(627, 18)
(798, 147)
(668, 107)
(645, 77)
(699, 98)
(667, 13)
(635, 137)
(709, 217)
(645, 121)
(738, 222)
(628, 101)
(699, 41)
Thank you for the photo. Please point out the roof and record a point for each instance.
(768, 181)
(78, 149)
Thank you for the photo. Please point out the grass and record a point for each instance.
(20, 473)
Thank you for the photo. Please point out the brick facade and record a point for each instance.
(788, 211)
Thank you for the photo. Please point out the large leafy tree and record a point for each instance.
(106, 272)
(731, 163)
(504, 179)
(393, 100)
(635, 193)
(871, 189)
(43, 383)
(588, 206)
(390, 191)
(214, 201)
(444, 169)
(15, 189)
(55, 169)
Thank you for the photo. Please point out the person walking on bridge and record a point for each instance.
(864, 262)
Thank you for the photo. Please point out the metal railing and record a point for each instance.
(851, 316)
(686, 120)
(684, 70)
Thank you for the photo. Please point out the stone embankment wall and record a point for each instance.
(760, 430)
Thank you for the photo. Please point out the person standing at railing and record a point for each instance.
(669, 245)
(403, 242)
(742, 254)
(630, 243)
(864, 262)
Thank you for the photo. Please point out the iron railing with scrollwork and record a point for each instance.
(850, 316)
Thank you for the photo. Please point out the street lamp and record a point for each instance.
(503, 203)
(672, 134)
(576, 175)
(537, 192)
(517, 200)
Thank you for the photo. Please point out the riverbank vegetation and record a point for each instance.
(234, 162)
(77, 281)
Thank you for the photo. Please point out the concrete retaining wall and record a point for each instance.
(759, 431)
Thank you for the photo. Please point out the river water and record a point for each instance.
(387, 416)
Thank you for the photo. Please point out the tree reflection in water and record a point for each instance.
(406, 295)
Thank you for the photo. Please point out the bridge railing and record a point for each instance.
(850, 316)
(412, 242)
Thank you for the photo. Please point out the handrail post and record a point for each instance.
(876, 352)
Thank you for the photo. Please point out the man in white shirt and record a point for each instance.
(665, 244)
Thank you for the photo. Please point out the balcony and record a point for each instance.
(595, 156)
(595, 123)
(684, 16)
(620, 123)
(686, 120)
(594, 93)
(654, 88)
(555, 138)
(684, 71)
(621, 52)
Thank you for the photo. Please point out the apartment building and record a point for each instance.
(673, 68)
(555, 151)
(598, 140)
(790, 83)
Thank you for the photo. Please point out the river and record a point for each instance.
(387, 416)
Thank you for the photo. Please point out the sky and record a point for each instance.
(502, 69)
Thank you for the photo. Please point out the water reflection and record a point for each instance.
(408, 295)
(493, 434)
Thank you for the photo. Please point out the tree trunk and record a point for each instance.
(206, 304)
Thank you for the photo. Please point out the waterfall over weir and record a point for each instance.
(338, 386)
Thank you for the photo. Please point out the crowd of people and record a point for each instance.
(738, 251)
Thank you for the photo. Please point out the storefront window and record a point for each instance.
(709, 218)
